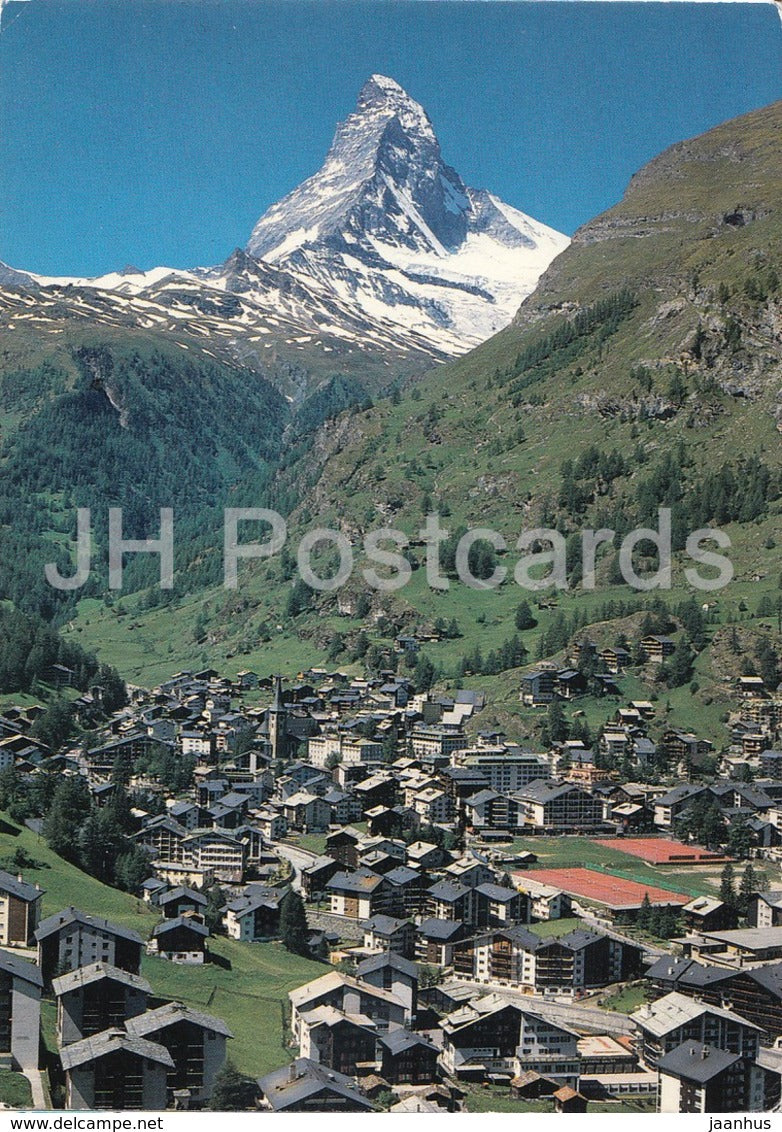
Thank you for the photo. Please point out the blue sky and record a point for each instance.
(157, 131)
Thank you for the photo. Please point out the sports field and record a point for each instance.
(662, 851)
(614, 892)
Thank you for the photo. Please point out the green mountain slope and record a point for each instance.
(644, 371)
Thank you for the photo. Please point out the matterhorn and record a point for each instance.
(395, 233)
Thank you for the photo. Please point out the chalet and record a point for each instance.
(497, 906)
(307, 812)
(462, 781)
(754, 993)
(675, 1018)
(115, 1071)
(568, 965)
(163, 838)
(560, 808)
(683, 746)
(246, 680)
(343, 846)
(348, 995)
(539, 687)
(177, 901)
(315, 877)
(96, 998)
(358, 895)
(407, 1059)
(436, 939)
(306, 1086)
(20, 911)
(570, 684)
(698, 1077)
(657, 649)
(182, 940)
(376, 790)
(336, 1040)
(186, 814)
(424, 855)
(254, 916)
(752, 688)
(407, 890)
(471, 870)
(488, 810)
(707, 913)
(546, 902)
(385, 933)
(765, 910)
(72, 939)
(614, 660)
(671, 805)
(448, 900)
(584, 959)
(391, 972)
(20, 1011)
(196, 1044)
(771, 763)
(432, 805)
(492, 1035)
(59, 676)
(152, 888)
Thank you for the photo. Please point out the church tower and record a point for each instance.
(275, 722)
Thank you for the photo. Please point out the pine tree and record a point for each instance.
(69, 810)
(680, 667)
(644, 913)
(215, 902)
(728, 887)
(233, 1091)
(524, 618)
(747, 887)
(424, 674)
(293, 924)
(131, 869)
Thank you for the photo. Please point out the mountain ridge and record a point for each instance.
(409, 264)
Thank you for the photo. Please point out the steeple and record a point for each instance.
(276, 717)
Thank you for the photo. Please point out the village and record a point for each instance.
(497, 927)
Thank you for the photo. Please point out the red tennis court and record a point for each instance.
(661, 851)
(615, 892)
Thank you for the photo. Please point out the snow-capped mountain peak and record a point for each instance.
(389, 227)
(384, 249)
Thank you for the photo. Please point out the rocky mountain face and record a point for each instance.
(388, 226)
(659, 327)
(383, 262)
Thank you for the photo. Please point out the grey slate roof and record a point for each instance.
(74, 916)
(20, 968)
(387, 959)
(447, 891)
(294, 1084)
(440, 929)
(180, 922)
(498, 892)
(93, 973)
(361, 881)
(113, 1041)
(385, 925)
(162, 1016)
(179, 893)
(19, 888)
(397, 1041)
(697, 1062)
